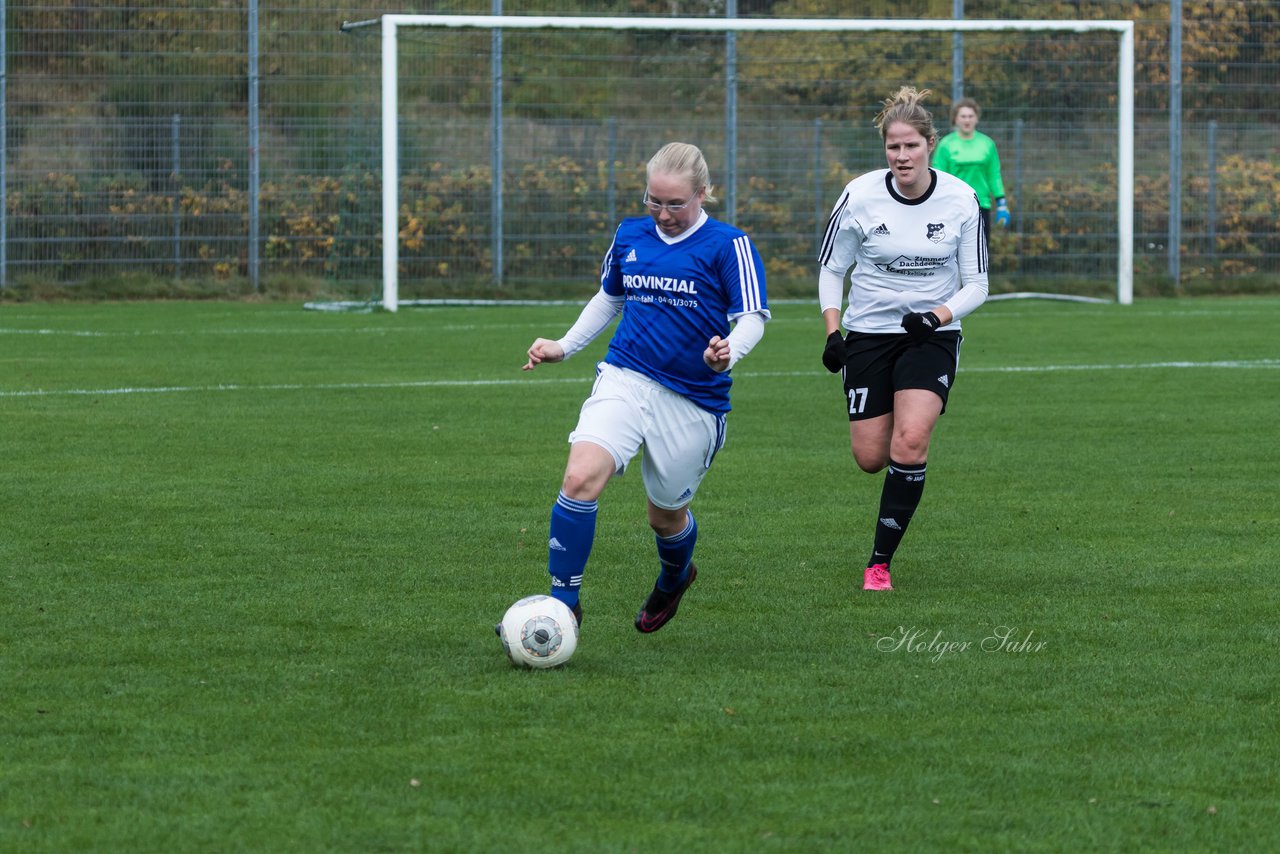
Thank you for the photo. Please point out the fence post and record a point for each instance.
(611, 169)
(1018, 177)
(1019, 201)
(957, 54)
(818, 209)
(1212, 212)
(1175, 143)
(254, 159)
(176, 205)
(4, 146)
(496, 152)
(731, 116)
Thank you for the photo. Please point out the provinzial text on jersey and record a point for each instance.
(661, 283)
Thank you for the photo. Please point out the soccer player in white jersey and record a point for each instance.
(691, 291)
(915, 240)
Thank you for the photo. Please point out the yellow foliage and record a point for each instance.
(313, 223)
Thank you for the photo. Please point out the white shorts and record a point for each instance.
(680, 439)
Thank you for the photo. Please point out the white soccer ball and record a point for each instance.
(538, 631)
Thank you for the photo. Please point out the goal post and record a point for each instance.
(391, 24)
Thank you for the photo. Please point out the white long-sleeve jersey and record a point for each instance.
(907, 255)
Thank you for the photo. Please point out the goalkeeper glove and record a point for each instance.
(920, 326)
(833, 353)
(1002, 213)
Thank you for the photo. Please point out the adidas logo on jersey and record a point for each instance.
(880, 230)
(631, 256)
(555, 546)
(946, 383)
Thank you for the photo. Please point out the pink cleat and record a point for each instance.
(876, 577)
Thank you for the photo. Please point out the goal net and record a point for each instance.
(512, 145)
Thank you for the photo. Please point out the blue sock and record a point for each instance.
(573, 528)
(676, 553)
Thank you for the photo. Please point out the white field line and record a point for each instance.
(1233, 364)
(1225, 310)
(187, 333)
(534, 323)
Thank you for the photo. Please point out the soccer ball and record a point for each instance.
(538, 631)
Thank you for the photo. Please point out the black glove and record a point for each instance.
(920, 326)
(833, 353)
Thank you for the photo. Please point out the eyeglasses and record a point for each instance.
(656, 207)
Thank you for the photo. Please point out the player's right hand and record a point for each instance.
(833, 353)
(543, 350)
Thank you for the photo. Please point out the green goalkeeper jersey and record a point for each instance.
(973, 161)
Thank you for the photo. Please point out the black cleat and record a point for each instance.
(661, 606)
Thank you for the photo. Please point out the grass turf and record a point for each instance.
(253, 557)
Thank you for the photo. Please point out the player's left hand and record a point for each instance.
(920, 326)
(717, 354)
(1002, 213)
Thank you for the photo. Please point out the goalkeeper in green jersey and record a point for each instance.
(971, 156)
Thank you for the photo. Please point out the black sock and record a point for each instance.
(903, 486)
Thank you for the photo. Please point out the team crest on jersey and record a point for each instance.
(880, 230)
(936, 231)
(631, 256)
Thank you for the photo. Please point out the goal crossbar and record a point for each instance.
(391, 23)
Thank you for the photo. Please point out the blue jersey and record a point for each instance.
(679, 293)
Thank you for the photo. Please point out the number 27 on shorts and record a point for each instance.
(857, 400)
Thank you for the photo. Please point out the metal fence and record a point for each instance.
(225, 140)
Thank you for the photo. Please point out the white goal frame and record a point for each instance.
(392, 23)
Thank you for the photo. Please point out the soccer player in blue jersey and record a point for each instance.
(691, 292)
(915, 240)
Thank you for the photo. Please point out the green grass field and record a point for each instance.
(252, 557)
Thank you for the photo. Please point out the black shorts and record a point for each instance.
(876, 366)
